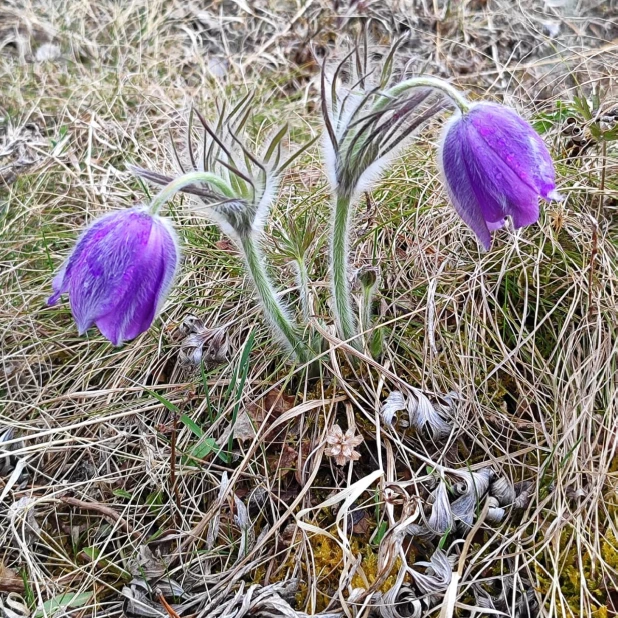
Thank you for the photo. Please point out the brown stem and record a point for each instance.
(104, 510)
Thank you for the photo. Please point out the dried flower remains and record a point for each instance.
(342, 445)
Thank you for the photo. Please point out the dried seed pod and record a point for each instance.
(342, 446)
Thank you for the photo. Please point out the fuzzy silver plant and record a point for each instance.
(365, 128)
(422, 414)
(236, 187)
(518, 601)
(437, 576)
(441, 518)
(239, 184)
(200, 344)
(472, 486)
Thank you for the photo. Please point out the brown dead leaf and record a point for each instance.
(10, 581)
(360, 522)
(288, 535)
(273, 404)
(283, 462)
(306, 446)
(225, 244)
(244, 427)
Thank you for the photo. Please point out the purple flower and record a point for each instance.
(119, 273)
(495, 165)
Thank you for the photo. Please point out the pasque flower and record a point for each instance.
(237, 188)
(495, 165)
(119, 273)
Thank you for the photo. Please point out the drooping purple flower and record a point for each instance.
(119, 273)
(495, 165)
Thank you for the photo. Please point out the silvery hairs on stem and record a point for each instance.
(365, 127)
(236, 188)
(243, 183)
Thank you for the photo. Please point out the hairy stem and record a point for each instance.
(188, 179)
(368, 292)
(303, 288)
(344, 314)
(274, 309)
(424, 82)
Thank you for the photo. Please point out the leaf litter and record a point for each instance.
(445, 462)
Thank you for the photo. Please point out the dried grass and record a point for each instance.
(113, 486)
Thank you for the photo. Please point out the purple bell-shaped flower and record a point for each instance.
(119, 273)
(495, 165)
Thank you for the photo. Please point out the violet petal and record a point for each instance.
(516, 143)
(119, 273)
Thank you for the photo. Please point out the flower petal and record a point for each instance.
(104, 270)
(516, 143)
(151, 278)
(495, 165)
(58, 285)
(458, 184)
(119, 273)
(500, 190)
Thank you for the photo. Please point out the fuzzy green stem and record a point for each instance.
(344, 314)
(274, 309)
(303, 288)
(424, 82)
(368, 292)
(188, 179)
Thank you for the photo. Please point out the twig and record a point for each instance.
(168, 608)
(104, 510)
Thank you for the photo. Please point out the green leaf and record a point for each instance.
(28, 591)
(192, 425)
(382, 528)
(168, 404)
(154, 500)
(92, 552)
(203, 448)
(376, 344)
(62, 601)
(442, 542)
(581, 105)
(243, 370)
(122, 493)
(155, 536)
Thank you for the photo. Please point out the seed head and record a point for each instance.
(342, 445)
